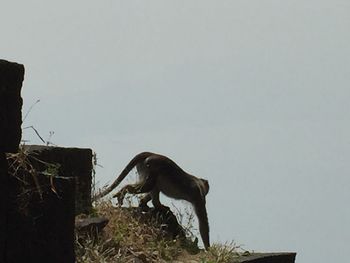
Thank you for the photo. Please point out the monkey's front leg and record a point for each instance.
(156, 203)
(125, 190)
(201, 212)
(144, 200)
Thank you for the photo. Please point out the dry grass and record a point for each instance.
(21, 164)
(35, 177)
(127, 239)
(124, 239)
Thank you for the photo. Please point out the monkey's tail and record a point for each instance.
(138, 158)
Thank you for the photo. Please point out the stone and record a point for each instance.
(163, 217)
(42, 210)
(76, 163)
(11, 78)
(4, 202)
(90, 225)
(41, 213)
(268, 258)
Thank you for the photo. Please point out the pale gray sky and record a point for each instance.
(252, 95)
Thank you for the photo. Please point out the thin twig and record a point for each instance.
(30, 109)
(37, 133)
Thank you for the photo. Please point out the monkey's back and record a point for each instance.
(168, 174)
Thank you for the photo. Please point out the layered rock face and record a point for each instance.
(11, 78)
(37, 186)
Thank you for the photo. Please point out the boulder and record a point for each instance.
(11, 78)
(75, 163)
(268, 258)
(90, 225)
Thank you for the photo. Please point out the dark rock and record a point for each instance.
(43, 210)
(268, 258)
(41, 213)
(75, 163)
(90, 225)
(4, 202)
(11, 78)
(166, 220)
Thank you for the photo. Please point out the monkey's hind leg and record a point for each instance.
(144, 200)
(156, 202)
(140, 188)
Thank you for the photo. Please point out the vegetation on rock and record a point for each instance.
(128, 238)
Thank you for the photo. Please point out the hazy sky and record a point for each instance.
(252, 95)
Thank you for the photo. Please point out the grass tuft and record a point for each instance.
(127, 238)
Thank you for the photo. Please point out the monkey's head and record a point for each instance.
(205, 186)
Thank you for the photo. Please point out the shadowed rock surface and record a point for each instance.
(166, 220)
(11, 78)
(268, 258)
(4, 202)
(75, 163)
(90, 225)
(37, 215)
(43, 210)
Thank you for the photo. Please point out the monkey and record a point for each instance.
(159, 173)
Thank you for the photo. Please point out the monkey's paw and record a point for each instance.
(144, 207)
(119, 197)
